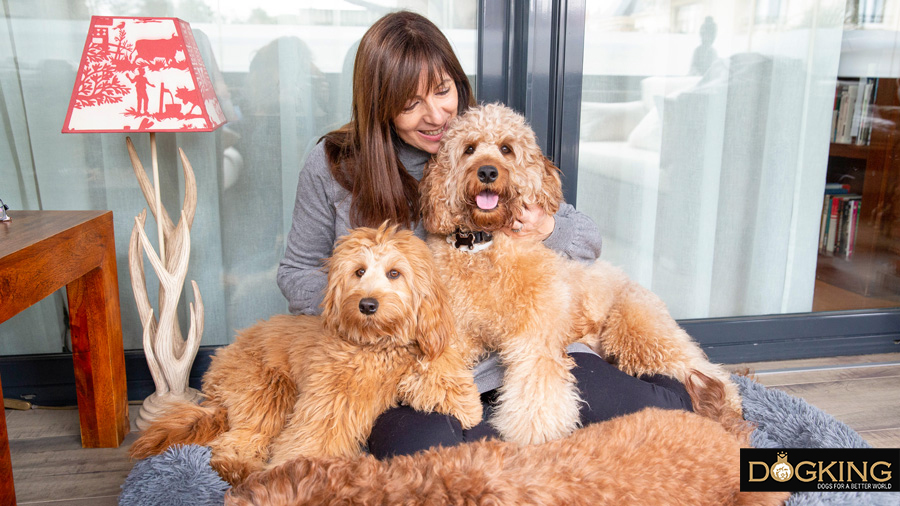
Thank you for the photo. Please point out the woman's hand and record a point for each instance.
(532, 223)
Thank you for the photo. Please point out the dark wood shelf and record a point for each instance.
(854, 151)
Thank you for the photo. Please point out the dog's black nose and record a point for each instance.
(368, 306)
(487, 173)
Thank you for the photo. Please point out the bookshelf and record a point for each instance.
(867, 166)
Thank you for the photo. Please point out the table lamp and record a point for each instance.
(140, 74)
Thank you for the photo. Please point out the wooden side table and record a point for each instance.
(40, 252)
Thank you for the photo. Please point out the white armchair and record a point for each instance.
(618, 172)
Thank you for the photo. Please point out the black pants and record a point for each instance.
(607, 392)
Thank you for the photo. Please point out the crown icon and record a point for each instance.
(782, 455)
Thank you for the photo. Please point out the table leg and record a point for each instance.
(7, 490)
(97, 353)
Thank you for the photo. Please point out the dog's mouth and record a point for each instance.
(487, 200)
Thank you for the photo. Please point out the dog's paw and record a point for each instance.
(455, 396)
(523, 418)
(465, 405)
(233, 470)
(533, 427)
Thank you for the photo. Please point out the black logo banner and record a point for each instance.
(820, 469)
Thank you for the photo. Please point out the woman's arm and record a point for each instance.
(567, 232)
(575, 235)
(301, 276)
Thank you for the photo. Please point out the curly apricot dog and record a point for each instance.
(313, 386)
(653, 457)
(521, 299)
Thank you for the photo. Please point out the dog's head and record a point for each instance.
(383, 290)
(488, 168)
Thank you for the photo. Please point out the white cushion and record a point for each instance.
(659, 86)
(648, 133)
(654, 90)
(609, 121)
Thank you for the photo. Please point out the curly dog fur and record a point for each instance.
(313, 386)
(523, 300)
(653, 457)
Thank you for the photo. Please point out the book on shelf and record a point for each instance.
(838, 224)
(847, 93)
(864, 136)
(836, 188)
(851, 118)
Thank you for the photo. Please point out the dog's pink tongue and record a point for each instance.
(487, 200)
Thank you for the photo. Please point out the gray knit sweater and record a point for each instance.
(322, 214)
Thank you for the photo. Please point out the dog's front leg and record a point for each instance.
(644, 339)
(444, 385)
(539, 400)
(330, 422)
(239, 452)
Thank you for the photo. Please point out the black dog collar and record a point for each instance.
(470, 241)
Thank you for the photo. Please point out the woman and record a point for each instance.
(407, 86)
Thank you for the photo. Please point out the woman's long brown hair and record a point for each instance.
(388, 69)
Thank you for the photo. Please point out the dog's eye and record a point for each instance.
(505, 149)
(359, 272)
(393, 274)
(470, 150)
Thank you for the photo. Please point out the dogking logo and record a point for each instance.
(820, 469)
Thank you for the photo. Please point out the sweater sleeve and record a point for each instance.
(575, 235)
(301, 274)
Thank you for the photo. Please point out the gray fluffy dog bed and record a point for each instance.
(182, 475)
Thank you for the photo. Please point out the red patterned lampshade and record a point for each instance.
(142, 75)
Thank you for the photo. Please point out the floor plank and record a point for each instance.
(41, 423)
(58, 467)
(831, 362)
(870, 404)
(885, 438)
(825, 375)
(51, 468)
(112, 500)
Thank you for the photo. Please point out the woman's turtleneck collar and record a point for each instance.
(412, 158)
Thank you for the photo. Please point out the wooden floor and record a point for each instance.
(50, 466)
(828, 297)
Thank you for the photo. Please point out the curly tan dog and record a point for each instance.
(653, 457)
(313, 386)
(523, 300)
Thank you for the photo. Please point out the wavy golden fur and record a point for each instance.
(313, 386)
(523, 300)
(653, 457)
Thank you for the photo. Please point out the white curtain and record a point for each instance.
(704, 148)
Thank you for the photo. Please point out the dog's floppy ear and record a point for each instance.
(333, 294)
(435, 327)
(339, 269)
(436, 214)
(434, 324)
(551, 186)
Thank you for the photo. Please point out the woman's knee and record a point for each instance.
(404, 431)
(608, 392)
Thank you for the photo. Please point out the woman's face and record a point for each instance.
(424, 119)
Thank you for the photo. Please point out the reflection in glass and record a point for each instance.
(705, 149)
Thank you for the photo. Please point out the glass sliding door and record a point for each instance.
(706, 143)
